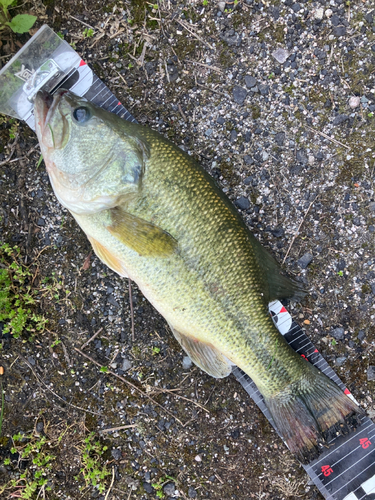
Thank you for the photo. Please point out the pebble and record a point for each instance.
(249, 161)
(281, 55)
(371, 206)
(340, 31)
(371, 373)
(186, 363)
(354, 102)
(116, 453)
(169, 489)
(126, 364)
(263, 89)
(338, 333)
(340, 360)
(208, 132)
(319, 14)
(265, 156)
(221, 6)
(242, 203)
(148, 488)
(305, 260)
(192, 492)
(250, 81)
(280, 138)
(328, 13)
(340, 119)
(239, 94)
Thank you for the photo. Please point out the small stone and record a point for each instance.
(361, 334)
(328, 13)
(239, 94)
(265, 156)
(249, 161)
(371, 206)
(192, 492)
(220, 120)
(296, 7)
(341, 265)
(278, 232)
(373, 288)
(335, 20)
(264, 89)
(221, 6)
(242, 203)
(301, 156)
(305, 260)
(319, 14)
(340, 119)
(41, 222)
(233, 136)
(40, 426)
(280, 138)
(198, 458)
(340, 361)
(281, 55)
(371, 373)
(371, 228)
(148, 488)
(116, 453)
(340, 31)
(169, 489)
(311, 160)
(354, 102)
(338, 333)
(364, 99)
(186, 363)
(126, 364)
(31, 360)
(208, 132)
(250, 81)
(357, 221)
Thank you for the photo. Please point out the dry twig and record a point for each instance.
(130, 385)
(299, 227)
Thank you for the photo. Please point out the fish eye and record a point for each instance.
(81, 114)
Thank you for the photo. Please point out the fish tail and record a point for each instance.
(311, 412)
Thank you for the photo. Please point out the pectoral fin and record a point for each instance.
(206, 356)
(109, 259)
(140, 235)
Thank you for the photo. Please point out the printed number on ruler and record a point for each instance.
(327, 470)
(365, 443)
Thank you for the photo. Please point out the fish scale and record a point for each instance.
(242, 308)
(150, 211)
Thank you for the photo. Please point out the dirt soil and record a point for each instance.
(92, 410)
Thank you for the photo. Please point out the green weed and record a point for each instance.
(93, 470)
(17, 296)
(20, 23)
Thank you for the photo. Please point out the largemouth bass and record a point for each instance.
(153, 214)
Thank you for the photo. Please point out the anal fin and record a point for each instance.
(206, 356)
(108, 258)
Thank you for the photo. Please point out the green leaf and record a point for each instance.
(21, 23)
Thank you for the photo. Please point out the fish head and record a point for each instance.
(93, 161)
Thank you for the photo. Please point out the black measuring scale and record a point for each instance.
(346, 469)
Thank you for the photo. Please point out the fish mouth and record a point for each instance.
(45, 105)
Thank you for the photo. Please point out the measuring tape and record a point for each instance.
(346, 469)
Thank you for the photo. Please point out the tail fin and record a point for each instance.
(310, 412)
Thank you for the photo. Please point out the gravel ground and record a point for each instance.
(277, 101)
